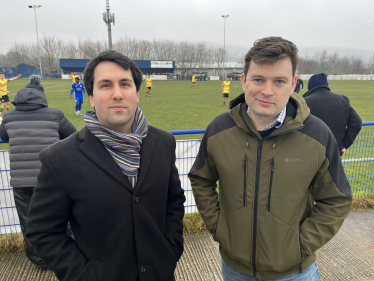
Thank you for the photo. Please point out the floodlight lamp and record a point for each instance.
(30, 6)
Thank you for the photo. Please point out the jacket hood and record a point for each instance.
(30, 97)
(316, 90)
(297, 112)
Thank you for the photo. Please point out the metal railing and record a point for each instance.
(358, 164)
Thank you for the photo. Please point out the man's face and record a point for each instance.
(227, 79)
(149, 76)
(268, 88)
(76, 80)
(2, 76)
(114, 96)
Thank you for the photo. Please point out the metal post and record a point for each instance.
(108, 19)
(37, 36)
(109, 25)
(224, 46)
(372, 62)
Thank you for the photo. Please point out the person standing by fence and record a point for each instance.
(30, 128)
(333, 109)
(269, 154)
(116, 182)
(299, 84)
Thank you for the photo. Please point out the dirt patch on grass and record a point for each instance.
(12, 243)
(363, 203)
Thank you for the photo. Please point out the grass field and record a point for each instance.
(174, 106)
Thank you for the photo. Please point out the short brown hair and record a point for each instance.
(269, 50)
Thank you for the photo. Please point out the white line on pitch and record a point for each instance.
(356, 160)
(54, 86)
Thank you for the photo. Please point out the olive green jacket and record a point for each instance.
(263, 218)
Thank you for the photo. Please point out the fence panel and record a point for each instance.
(358, 164)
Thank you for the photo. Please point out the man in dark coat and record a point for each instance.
(333, 109)
(299, 83)
(116, 182)
(30, 128)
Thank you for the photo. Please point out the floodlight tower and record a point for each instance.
(224, 46)
(37, 36)
(108, 19)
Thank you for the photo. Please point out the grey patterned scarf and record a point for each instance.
(124, 147)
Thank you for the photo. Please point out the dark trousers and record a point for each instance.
(22, 198)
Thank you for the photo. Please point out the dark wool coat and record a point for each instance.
(120, 233)
(335, 110)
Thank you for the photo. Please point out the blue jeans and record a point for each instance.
(309, 274)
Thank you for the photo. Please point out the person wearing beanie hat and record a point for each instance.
(35, 83)
(334, 109)
(319, 79)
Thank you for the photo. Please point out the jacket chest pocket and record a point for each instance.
(286, 190)
(234, 184)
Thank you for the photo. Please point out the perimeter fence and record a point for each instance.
(358, 164)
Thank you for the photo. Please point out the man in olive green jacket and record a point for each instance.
(269, 154)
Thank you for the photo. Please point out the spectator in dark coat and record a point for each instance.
(298, 83)
(333, 109)
(116, 182)
(35, 83)
(30, 128)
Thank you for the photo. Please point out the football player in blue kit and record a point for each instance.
(78, 88)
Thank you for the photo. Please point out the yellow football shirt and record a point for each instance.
(226, 87)
(193, 78)
(148, 82)
(73, 77)
(4, 85)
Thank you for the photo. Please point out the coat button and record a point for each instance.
(142, 269)
(136, 199)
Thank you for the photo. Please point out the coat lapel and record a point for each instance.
(96, 152)
(146, 153)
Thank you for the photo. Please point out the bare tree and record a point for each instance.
(322, 57)
(51, 47)
(220, 56)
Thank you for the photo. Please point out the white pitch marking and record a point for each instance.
(356, 160)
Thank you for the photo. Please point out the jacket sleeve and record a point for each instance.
(66, 128)
(204, 177)
(175, 210)
(48, 216)
(332, 195)
(354, 126)
(3, 133)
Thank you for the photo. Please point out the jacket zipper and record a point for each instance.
(271, 182)
(257, 186)
(245, 179)
(301, 254)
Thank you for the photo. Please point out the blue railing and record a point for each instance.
(358, 164)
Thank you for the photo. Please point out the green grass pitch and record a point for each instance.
(173, 105)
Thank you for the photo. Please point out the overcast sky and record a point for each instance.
(339, 24)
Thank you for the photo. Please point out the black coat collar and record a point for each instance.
(96, 152)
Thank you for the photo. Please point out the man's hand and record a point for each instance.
(70, 97)
(8, 92)
(19, 75)
(344, 150)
